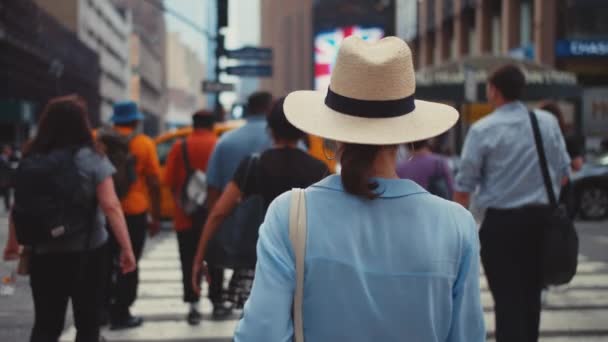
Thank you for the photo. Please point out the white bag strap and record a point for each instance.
(297, 235)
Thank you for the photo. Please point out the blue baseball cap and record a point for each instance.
(125, 112)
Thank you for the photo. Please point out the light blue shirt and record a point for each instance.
(233, 147)
(499, 156)
(404, 267)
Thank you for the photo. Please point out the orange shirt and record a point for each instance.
(200, 146)
(137, 200)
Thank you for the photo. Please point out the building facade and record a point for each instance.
(40, 59)
(185, 74)
(286, 27)
(568, 35)
(148, 61)
(105, 30)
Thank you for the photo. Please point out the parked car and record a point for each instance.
(590, 189)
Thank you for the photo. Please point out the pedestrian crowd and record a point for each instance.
(384, 250)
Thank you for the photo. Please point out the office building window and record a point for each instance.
(586, 21)
(496, 35)
(526, 22)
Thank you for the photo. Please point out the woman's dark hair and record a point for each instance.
(63, 123)
(553, 108)
(418, 145)
(356, 161)
(280, 127)
(509, 80)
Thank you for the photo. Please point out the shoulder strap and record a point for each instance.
(542, 159)
(297, 235)
(252, 166)
(185, 157)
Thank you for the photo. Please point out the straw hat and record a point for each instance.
(370, 99)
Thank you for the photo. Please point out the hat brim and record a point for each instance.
(126, 119)
(306, 110)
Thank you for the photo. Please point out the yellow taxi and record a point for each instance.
(164, 142)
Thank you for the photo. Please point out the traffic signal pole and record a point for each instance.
(220, 50)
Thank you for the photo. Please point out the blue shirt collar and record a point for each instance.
(388, 188)
(255, 118)
(512, 107)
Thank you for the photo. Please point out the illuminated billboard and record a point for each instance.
(334, 20)
(326, 46)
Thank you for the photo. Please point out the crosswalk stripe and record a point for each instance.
(575, 313)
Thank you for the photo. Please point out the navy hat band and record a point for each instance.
(371, 109)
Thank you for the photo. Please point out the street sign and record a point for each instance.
(250, 70)
(216, 87)
(250, 53)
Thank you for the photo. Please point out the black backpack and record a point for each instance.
(117, 149)
(438, 184)
(50, 200)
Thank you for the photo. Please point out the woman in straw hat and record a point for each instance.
(372, 257)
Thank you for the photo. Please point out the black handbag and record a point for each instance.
(559, 245)
(234, 244)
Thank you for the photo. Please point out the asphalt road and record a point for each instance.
(16, 312)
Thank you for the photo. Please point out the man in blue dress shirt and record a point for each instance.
(500, 160)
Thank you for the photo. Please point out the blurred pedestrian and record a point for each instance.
(279, 169)
(69, 265)
(575, 145)
(384, 260)
(6, 175)
(429, 170)
(500, 157)
(137, 182)
(184, 159)
(228, 153)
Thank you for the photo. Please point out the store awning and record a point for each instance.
(446, 83)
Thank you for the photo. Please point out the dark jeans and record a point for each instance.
(5, 192)
(216, 286)
(124, 287)
(188, 242)
(510, 253)
(55, 278)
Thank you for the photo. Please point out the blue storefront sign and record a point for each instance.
(523, 52)
(581, 48)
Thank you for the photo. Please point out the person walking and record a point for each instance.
(69, 267)
(500, 158)
(6, 176)
(184, 158)
(429, 170)
(140, 197)
(282, 167)
(228, 153)
(575, 145)
(383, 260)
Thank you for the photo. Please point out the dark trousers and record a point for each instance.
(188, 242)
(239, 287)
(510, 253)
(124, 287)
(5, 192)
(55, 278)
(216, 286)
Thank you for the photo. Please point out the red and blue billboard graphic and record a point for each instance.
(335, 20)
(327, 43)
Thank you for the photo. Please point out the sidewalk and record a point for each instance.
(16, 311)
